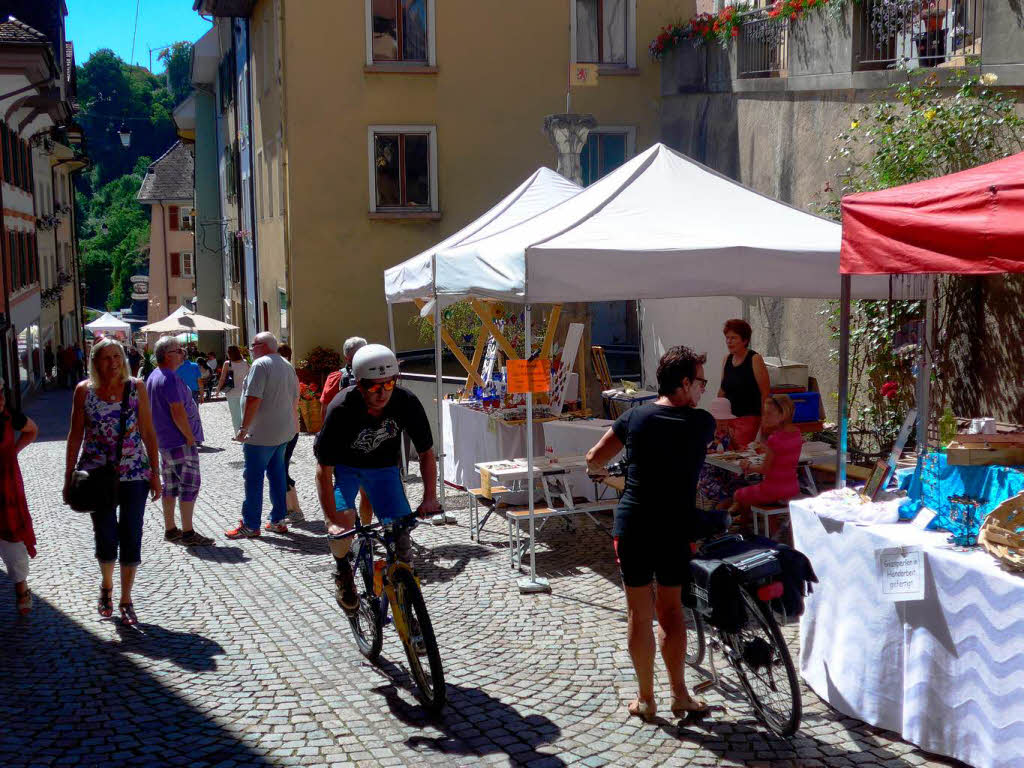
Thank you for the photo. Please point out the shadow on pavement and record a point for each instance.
(51, 411)
(219, 553)
(428, 560)
(69, 698)
(469, 711)
(185, 649)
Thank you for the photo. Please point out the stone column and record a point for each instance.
(568, 133)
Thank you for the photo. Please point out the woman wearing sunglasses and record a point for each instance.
(359, 446)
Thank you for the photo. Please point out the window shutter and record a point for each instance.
(172, 213)
(175, 265)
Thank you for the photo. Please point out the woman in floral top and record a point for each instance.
(95, 420)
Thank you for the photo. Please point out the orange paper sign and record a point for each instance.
(529, 376)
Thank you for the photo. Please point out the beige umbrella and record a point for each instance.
(187, 321)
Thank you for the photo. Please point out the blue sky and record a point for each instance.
(95, 24)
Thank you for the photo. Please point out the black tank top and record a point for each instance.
(740, 386)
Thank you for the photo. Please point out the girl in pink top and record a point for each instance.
(781, 454)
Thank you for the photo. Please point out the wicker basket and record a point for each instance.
(1003, 533)
(309, 410)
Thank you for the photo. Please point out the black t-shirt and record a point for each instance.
(352, 437)
(665, 449)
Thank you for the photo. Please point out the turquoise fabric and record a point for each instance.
(989, 485)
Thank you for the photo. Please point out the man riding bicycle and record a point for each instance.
(359, 445)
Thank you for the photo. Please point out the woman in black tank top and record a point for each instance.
(744, 382)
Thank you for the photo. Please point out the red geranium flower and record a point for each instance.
(889, 390)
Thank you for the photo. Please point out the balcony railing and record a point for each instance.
(763, 46)
(920, 33)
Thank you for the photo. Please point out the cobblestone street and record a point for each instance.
(243, 658)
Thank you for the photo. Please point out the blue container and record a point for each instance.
(807, 406)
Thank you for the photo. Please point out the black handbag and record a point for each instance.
(95, 490)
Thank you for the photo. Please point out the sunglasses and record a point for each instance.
(703, 382)
(383, 386)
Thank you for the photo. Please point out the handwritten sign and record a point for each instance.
(901, 573)
(582, 75)
(529, 375)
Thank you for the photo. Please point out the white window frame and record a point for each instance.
(191, 271)
(431, 131)
(185, 215)
(630, 35)
(628, 130)
(431, 39)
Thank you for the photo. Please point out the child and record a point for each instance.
(781, 455)
(716, 486)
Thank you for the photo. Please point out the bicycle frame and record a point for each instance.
(381, 533)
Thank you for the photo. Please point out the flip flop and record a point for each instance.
(681, 711)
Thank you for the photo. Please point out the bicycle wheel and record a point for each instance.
(762, 661)
(430, 681)
(367, 623)
(695, 643)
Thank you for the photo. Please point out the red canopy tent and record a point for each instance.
(966, 223)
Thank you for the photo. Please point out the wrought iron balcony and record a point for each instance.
(919, 33)
(762, 46)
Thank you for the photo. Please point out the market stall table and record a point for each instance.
(810, 453)
(945, 672)
(471, 436)
(553, 477)
(568, 438)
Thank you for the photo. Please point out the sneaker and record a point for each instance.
(242, 532)
(278, 527)
(345, 591)
(295, 516)
(172, 534)
(193, 539)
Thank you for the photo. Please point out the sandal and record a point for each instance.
(128, 617)
(24, 600)
(682, 711)
(105, 605)
(645, 710)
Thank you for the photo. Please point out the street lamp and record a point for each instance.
(125, 135)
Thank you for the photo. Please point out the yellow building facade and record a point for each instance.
(403, 120)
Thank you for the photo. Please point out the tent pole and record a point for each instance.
(391, 343)
(531, 583)
(441, 518)
(924, 375)
(844, 379)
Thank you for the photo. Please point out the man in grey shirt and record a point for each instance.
(270, 397)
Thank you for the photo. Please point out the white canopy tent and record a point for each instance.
(660, 226)
(107, 323)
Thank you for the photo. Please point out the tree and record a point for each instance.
(178, 60)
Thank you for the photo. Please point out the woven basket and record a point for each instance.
(309, 410)
(1003, 533)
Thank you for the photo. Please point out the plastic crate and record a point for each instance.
(807, 406)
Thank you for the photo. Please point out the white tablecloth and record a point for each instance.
(575, 438)
(946, 672)
(472, 436)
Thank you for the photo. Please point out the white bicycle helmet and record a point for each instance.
(374, 361)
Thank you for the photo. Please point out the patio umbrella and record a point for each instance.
(187, 321)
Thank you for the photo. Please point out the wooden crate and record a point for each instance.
(960, 455)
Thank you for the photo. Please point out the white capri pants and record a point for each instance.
(15, 558)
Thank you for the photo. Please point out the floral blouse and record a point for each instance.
(99, 445)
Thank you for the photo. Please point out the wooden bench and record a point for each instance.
(520, 515)
(852, 470)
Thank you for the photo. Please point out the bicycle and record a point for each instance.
(394, 579)
(756, 651)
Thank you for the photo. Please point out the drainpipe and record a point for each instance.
(284, 176)
(167, 261)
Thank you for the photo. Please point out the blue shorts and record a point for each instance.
(383, 486)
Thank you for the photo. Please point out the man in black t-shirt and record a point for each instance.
(665, 443)
(359, 445)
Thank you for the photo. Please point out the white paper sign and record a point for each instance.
(901, 573)
(923, 519)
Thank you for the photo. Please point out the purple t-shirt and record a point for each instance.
(164, 387)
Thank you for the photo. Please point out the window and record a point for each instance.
(604, 32)
(186, 219)
(606, 149)
(282, 303)
(400, 31)
(403, 168)
(175, 264)
(187, 266)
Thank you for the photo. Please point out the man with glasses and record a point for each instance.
(178, 433)
(359, 445)
(270, 397)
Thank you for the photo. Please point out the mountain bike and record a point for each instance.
(756, 651)
(382, 580)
